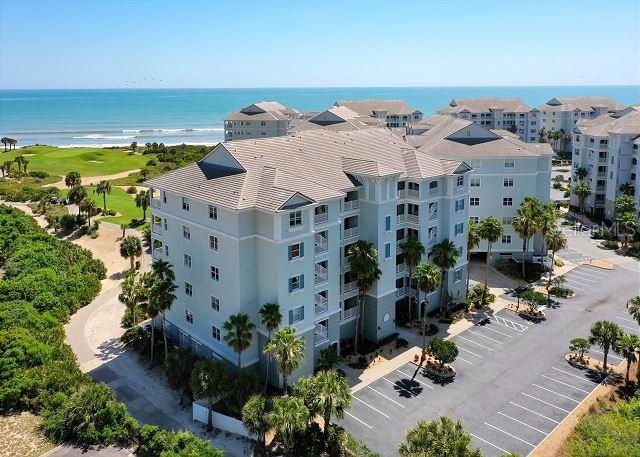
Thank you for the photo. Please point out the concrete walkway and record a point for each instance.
(89, 180)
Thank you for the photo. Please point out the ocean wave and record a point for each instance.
(97, 136)
(126, 145)
(186, 130)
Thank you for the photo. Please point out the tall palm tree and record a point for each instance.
(25, 162)
(633, 306)
(132, 294)
(255, 418)
(104, 188)
(627, 345)
(288, 350)
(271, 319)
(445, 256)
(623, 204)
(18, 160)
(334, 396)
(441, 437)
(412, 250)
(363, 257)
(547, 221)
(525, 224)
(4, 141)
(76, 195)
(489, 229)
(555, 241)
(581, 173)
(14, 142)
(288, 417)
(130, 248)
(627, 223)
(428, 277)
(542, 133)
(582, 190)
(72, 179)
(627, 189)
(209, 381)
(605, 334)
(161, 294)
(239, 333)
(473, 240)
(142, 201)
(89, 207)
(7, 166)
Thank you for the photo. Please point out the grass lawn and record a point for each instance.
(119, 200)
(86, 161)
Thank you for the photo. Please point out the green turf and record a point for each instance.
(119, 200)
(86, 161)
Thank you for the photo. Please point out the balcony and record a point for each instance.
(601, 174)
(602, 159)
(155, 203)
(413, 193)
(156, 228)
(349, 313)
(600, 189)
(321, 304)
(401, 267)
(322, 333)
(322, 274)
(351, 205)
(399, 242)
(350, 286)
(320, 218)
(157, 254)
(350, 233)
(400, 218)
(400, 291)
(321, 245)
(402, 193)
(412, 218)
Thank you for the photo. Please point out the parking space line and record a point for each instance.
(507, 433)
(463, 360)
(497, 331)
(402, 388)
(554, 392)
(611, 356)
(584, 276)
(625, 319)
(477, 344)
(416, 380)
(545, 402)
(390, 399)
(591, 272)
(565, 384)
(359, 420)
(483, 336)
(514, 325)
(629, 328)
(571, 374)
(375, 409)
(489, 443)
(577, 281)
(523, 423)
(534, 412)
(466, 350)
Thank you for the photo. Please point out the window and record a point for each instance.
(215, 333)
(296, 315)
(507, 201)
(506, 239)
(188, 289)
(187, 261)
(475, 181)
(459, 228)
(165, 223)
(507, 182)
(387, 223)
(214, 272)
(506, 220)
(387, 250)
(295, 218)
(296, 283)
(460, 181)
(188, 315)
(576, 151)
(185, 204)
(213, 243)
(166, 250)
(509, 163)
(459, 205)
(296, 251)
(433, 185)
(474, 219)
(474, 201)
(432, 233)
(215, 303)
(164, 197)
(476, 163)
(457, 275)
(186, 232)
(213, 212)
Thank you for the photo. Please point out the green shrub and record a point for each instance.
(178, 370)
(155, 442)
(132, 190)
(562, 292)
(475, 294)
(609, 244)
(137, 338)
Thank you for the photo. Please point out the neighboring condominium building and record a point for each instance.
(394, 113)
(607, 147)
(562, 113)
(336, 118)
(498, 113)
(505, 171)
(259, 120)
(271, 220)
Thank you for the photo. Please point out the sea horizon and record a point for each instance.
(117, 116)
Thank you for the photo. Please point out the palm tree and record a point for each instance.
(25, 162)
(132, 293)
(255, 418)
(627, 345)
(555, 241)
(581, 173)
(428, 277)
(134, 146)
(525, 224)
(605, 334)
(123, 228)
(542, 133)
(209, 381)
(239, 333)
(334, 396)
(489, 229)
(89, 207)
(623, 204)
(473, 240)
(627, 189)
(4, 141)
(271, 319)
(289, 417)
(439, 438)
(18, 160)
(445, 256)
(412, 250)
(547, 222)
(633, 306)
(582, 190)
(627, 223)
(7, 166)
(14, 142)
(142, 201)
(130, 247)
(104, 188)
(363, 258)
(288, 350)
(161, 294)
(72, 179)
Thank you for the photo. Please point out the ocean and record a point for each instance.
(115, 117)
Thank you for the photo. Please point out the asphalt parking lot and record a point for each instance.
(513, 385)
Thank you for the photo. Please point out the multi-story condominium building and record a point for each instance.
(394, 113)
(562, 113)
(336, 118)
(271, 220)
(607, 147)
(505, 171)
(498, 113)
(259, 120)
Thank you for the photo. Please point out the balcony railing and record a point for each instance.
(433, 215)
(412, 218)
(399, 242)
(351, 205)
(401, 267)
(400, 291)
(155, 203)
(322, 274)
(350, 286)
(402, 193)
(321, 304)
(602, 174)
(321, 218)
(321, 244)
(350, 232)
(155, 228)
(349, 313)
(400, 218)
(413, 193)
(157, 254)
(322, 333)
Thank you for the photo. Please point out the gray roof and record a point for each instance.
(485, 105)
(263, 111)
(581, 103)
(626, 121)
(369, 107)
(318, 165)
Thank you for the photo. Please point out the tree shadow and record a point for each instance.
(110, 349)
(407, 388)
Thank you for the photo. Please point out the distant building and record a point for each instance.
(394, 113)
(336, 118)
(608, 148)
(259, 120)
(498, 113)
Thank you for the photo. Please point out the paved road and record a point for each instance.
(513, 386)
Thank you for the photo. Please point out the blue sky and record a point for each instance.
(107, 44)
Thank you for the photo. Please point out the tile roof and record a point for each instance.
(485, 105)
(368, 107)
(626, 121)
(582, 103)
